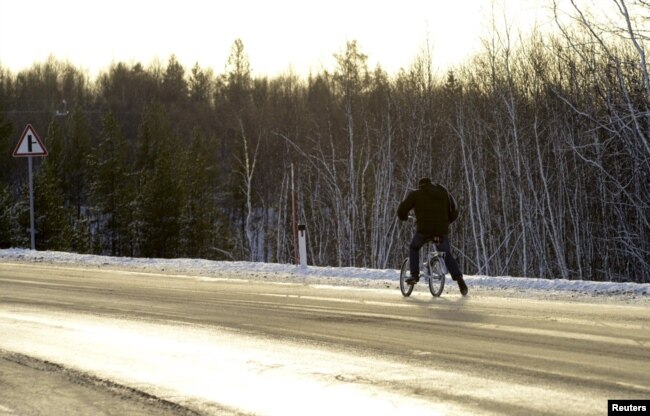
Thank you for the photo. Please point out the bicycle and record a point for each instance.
(433, 269)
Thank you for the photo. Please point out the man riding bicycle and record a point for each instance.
(434, 210)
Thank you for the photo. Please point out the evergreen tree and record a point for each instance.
(200, 84)
(18, 217)
(112, 189)
(73, 169)
(6, 217)
(174, 85)
(6, 197)
(7, 144)
(238, 78)
(197, 219)
(160, 198)
(53, 229)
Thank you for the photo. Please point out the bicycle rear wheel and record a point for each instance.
(437, 277)
(405, 273)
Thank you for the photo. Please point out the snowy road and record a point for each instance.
(246, 346)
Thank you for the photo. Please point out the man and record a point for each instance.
(434, 210)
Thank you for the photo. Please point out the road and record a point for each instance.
(481, 354)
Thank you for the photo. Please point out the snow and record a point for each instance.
(337, 276)
(201, 365)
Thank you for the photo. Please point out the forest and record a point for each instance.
(543, 140)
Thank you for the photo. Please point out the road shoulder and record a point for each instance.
(36, 387)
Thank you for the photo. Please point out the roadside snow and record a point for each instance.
(338, 276)
(198, 366)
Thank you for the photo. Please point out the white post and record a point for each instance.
(31, 203)
(302, 243)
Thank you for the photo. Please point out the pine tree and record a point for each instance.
(200, 85)
(159, 200)
(74, 166)
(238, 78)
(19, 218)
(174, 85)
(53, 229)
(196, 215)
(112, 189)
(6, 199)
(6, 203)
(6, 149)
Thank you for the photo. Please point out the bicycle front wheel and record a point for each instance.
(405, 273)
(437, 277)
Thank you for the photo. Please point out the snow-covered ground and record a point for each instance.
(342, 276)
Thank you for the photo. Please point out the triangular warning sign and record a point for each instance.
(30, 144)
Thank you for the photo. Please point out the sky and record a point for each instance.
(278, 36)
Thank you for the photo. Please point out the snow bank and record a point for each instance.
(344, 276)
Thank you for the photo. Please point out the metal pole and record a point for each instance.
(31, 202)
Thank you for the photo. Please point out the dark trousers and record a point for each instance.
(414, 254)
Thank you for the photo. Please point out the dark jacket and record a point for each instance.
(434, 209)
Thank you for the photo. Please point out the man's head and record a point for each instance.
(423, 182)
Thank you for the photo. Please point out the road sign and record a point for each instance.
(30, 144)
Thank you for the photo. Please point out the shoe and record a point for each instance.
(462, 286)
(412, 280)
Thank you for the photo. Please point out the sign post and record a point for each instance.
(28, 146)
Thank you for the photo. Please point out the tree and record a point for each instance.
(52, 218)
(247, 166)
(201, 84)
(238, 81)
(174, 85)
(112, 189)
(6, 149)
(199, 217)
(160, 197)
(7, 219)
(73, 167)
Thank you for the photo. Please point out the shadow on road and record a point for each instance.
(449, 307)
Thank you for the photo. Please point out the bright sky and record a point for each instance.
(278, 35)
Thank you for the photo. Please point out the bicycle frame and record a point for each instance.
(435, 254)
